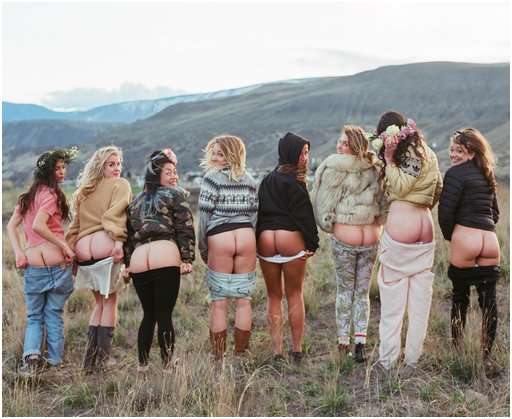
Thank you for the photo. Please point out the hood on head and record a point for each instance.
(290, 147)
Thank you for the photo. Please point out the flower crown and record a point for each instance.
(167, 152)
(401, 134)
(59, 153)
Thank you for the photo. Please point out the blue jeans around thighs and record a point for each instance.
(47, 289)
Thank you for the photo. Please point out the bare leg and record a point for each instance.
(294, 273)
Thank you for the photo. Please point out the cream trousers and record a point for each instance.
(405, 282)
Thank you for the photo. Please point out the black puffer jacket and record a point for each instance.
(284, 202)
(467, 200)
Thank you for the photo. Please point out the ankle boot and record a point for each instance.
(91, 349)
(359, 353)
(241, 341)
(105, 336)
(218, 342)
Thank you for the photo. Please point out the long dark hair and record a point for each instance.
(154, 164)
(45, 176)
(415, 141)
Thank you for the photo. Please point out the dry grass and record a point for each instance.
(324, 385)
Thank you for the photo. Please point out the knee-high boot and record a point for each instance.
(487, 302)
(218, 342)
(241, 341)
(91, 349)
(105, 336)
(461, 278)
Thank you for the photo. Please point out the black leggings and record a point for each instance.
(158, 291)
(486, 301)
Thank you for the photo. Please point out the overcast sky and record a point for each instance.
(81, 55)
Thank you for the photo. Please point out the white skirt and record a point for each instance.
(103, 276)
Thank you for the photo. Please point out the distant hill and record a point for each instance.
(125, 112)
(440, 96)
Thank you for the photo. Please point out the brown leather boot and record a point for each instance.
(91, 349)
(241, 341)
(218, 342)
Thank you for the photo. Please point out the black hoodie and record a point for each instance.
(284, 202)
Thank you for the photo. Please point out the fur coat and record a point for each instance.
(347, 191)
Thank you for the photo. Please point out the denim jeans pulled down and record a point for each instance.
(47, 289)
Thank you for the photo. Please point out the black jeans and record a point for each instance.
(487, 302)
(158, 291)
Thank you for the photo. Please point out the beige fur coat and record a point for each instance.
(347, 191)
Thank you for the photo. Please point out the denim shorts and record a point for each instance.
(222, 285)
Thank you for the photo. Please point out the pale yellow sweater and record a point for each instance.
(104, 209)
(416, 182)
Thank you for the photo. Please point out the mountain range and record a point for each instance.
(439, 96)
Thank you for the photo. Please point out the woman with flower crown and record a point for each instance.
(47, 259)
(349, 202)
(468, 213)
(97, 234)
(228, 210)
(159, 247)
(407, 244)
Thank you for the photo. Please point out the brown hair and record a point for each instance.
(484, 158)
(358, 143)
(416, 141)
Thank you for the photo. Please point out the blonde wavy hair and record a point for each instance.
(92, 174)
(358, 143)
(233, 149)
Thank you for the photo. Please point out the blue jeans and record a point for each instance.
(46, 290)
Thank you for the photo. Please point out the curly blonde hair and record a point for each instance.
(233, 149)
(92, 174)
(358, 143)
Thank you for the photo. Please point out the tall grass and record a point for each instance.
(325, 384)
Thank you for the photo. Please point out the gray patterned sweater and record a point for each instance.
(224, 201)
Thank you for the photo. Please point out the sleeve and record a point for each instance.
(495, 210)
(323, 204)
(255, 204)
(448, 202)
(382, 200)
(73, 231)
(184, 225)
(48, 202)
(207, 201)
(301, 212)
(129, 244)
(114, 219)
(438, 190)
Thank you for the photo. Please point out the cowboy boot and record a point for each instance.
(105, 336)
(91, 350)
(218, 342)
(241, 341)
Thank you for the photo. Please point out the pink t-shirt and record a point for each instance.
(45, 200)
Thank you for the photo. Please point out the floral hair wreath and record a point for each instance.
(58, 153)
(167, 152)
(401, 133)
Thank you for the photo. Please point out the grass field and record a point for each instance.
(446, 383)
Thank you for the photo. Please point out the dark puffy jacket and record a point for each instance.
(467, 200)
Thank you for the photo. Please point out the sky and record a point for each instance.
(71, 56)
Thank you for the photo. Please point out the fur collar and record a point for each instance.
(348, 163)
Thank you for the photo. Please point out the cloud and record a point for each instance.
(87, 98)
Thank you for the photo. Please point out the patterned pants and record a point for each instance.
(353, 265)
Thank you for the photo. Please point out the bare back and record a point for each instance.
(232, 251)
(155, 255)
(357, 235)
(409, 223)
(45, 254)
(473, 246)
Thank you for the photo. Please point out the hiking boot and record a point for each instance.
(29, 366)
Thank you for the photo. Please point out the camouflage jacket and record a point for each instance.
(172, 221)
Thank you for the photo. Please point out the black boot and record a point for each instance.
(359, 353)
(461, 278)
(105, 336)
(91, 349)
(487, 301)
